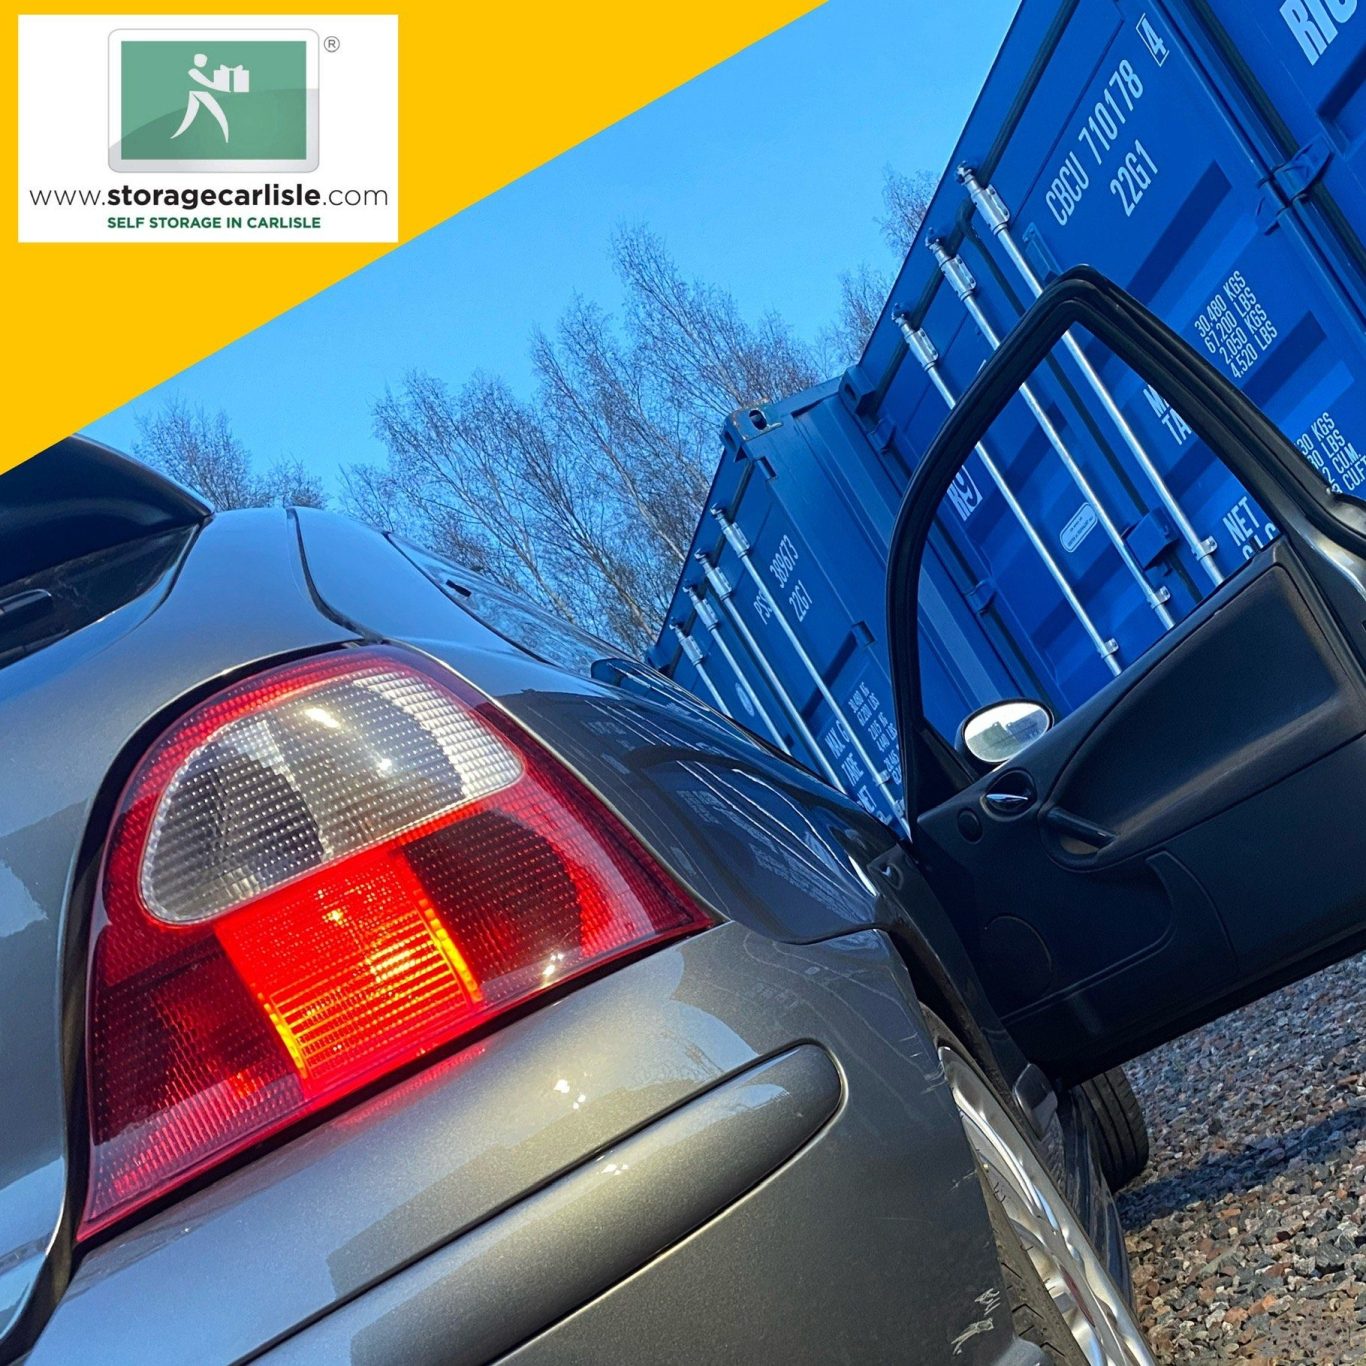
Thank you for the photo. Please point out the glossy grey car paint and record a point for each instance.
(478, 1147)
(799, 1183)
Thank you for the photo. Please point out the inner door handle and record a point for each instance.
(1008, 803)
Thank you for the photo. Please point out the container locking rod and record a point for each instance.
(925, 351)
(706, 614)
(997, 216)
(739, 542)
(692, 651)
(955, 271)
(723, 589)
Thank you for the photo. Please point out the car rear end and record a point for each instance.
(376, 989)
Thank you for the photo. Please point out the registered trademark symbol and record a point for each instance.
(331, 43)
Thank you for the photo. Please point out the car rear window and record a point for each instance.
(518, 621)
(55, 602)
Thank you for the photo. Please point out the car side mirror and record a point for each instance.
(996, 733)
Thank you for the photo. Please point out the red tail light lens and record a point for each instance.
(316, 877)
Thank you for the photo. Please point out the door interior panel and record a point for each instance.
(1255, 691)
(1166, 781)
(1279, 917)
(1189, 837)
(1288, 862)
(1084, 1026)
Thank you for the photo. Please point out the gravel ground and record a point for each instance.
(1248, 1232)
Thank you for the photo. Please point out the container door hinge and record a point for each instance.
(1292, 180)
(980, 596)
(884, 436)
(1151, 537)
(859, 390)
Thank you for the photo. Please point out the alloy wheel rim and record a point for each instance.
(1082, 1290)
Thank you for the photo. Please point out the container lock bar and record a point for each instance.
(997, 216)
(693, 653)
(954, 271)
(723, 590)
(925, 351)
(740, 544)
(707, 616)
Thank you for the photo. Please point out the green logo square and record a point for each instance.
(213, 101)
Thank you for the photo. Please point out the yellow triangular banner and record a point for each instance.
(486, 93)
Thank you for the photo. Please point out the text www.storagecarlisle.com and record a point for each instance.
(193, 201)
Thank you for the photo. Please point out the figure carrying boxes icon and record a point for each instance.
(234, 80)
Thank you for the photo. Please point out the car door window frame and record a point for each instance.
(1308, 513)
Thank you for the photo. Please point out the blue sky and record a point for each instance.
(764, 176)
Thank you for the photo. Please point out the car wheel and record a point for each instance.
(1063, 1298)
(1117, 1121)
(1033, 1315)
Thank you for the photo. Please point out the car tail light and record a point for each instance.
(316, 877)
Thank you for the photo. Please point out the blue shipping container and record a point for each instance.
(1208, 156)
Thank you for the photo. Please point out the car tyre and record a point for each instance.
(1117, 1122)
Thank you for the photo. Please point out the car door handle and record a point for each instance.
(1065, 823)
(1008, 803)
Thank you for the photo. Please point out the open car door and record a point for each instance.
(1187, 831)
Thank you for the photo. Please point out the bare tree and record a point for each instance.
(709, 358)
(457, 478)
(199, 449)
(491, 481)
(905, 202)
(586, 497)
(862, 292)
(586, 546)
(602, 398)
(289, 481)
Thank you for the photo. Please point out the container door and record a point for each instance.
(1293, 73)
(1188, 836)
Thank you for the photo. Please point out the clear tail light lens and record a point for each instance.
(316, 877)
